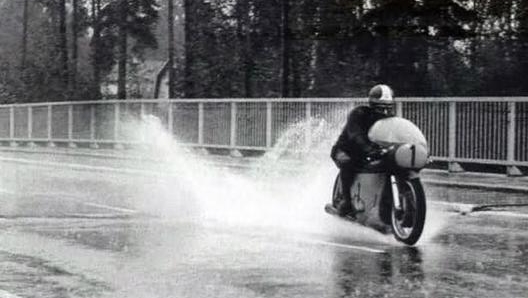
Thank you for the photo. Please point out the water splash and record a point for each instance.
(284, 190)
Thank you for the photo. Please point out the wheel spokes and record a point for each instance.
(406, 221)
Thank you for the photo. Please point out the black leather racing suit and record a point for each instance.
(354, 142)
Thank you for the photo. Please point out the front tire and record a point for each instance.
(407, 225)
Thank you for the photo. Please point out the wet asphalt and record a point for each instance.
(95, 233)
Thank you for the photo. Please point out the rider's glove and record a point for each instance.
(377, 153)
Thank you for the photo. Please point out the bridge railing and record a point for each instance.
(459, 130)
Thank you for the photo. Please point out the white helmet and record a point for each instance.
(381, 97)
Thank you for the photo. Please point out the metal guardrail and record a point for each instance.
(460, 130)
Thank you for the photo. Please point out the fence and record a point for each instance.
(459, 130)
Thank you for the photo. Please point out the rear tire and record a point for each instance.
(407, 226)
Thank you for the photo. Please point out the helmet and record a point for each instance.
(380, 98)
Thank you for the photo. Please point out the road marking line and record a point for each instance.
(108, 207)
(79, 166)
(349, 246)
(74, 199)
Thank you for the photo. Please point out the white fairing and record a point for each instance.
(396, 130)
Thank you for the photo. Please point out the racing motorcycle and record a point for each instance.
(387, 194)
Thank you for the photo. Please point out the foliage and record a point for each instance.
(140, 17)
(236, 48)
(341, 47)
(43, 75)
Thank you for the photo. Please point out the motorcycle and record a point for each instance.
(387, 193)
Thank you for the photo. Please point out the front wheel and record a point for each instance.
(408, 223)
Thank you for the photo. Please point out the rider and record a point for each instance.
(353, 148)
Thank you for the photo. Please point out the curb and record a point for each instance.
(500, 188)
(453, 207)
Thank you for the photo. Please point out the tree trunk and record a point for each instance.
(188, 82)
(23, 61)
(73, 73)
(314, 53)
(244, 31)
(172, 74)
(24, 35)
(63, 44)
(285, 48)
(122, 45)
(96, 8)
(295, 69)
(248, 65)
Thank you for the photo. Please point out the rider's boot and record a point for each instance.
(344, 207)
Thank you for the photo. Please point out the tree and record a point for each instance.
(285, 48)
(172, 73)
(75, 50)
(25, 20)
(45, 54)
(63, 44)
(402, 34)
(244, 12)
(122, 49)
(63, 72)
(97, 53)
(121, 19)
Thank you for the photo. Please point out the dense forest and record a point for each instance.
(72, 49)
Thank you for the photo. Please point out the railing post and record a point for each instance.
(142, 118)
(49, 125)
(308, 125)
(201, 126)
(511, 170)
(13, 143)
(142, 110)
(93, 143)
(200, 122)
(233, 135)
(30, 126)
(399, 109)
(117, 145)
(170, 119)
(71, 144)
(452, 165)
(269, 141)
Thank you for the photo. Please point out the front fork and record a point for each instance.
(397, 202)
(395, 194)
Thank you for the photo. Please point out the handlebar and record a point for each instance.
(380, 154)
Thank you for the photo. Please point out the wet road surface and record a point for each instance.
(94, 233)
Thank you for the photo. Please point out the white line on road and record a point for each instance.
(340, 245)
(108, 207)
(68, 197)
(76, 166)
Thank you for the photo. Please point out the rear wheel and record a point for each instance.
(408, 223)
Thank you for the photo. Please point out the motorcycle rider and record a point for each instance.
(353, 149)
